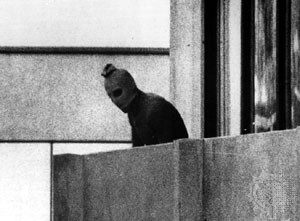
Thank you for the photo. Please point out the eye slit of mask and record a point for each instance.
(117, 93)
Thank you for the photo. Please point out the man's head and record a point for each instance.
(120, 86)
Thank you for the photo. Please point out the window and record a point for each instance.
(270, 67)
(222, 60)
(265, 49)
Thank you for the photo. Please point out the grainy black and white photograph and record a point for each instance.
(161, 110)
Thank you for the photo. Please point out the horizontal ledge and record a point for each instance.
(85, 50)
(68, 141)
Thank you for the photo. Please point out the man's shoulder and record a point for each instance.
(155, 104)
(154, 100)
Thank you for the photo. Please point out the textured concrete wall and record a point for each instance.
(62, 96)
(151, 183)
(253, 177)
(250, 177)
(135, 185)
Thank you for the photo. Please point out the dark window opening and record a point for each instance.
(266, 101)
(247, 64)
(211, 66)
(283, 65)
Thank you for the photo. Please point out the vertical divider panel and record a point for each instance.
(68, 187)
(188, 183)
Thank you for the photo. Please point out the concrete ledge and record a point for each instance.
(249, 177)
(161, 182)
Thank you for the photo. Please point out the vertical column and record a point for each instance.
(234, 48)
(295, 62)
(186, 65)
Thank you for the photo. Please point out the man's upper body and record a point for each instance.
(153, 119)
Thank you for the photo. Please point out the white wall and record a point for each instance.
(25, 182)
(123, 23)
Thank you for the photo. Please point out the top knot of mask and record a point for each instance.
(108, 70)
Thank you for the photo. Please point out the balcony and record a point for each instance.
(249, 177)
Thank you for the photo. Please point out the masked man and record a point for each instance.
(153, 120)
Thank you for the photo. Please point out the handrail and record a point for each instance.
(86, 50)
(63, 141)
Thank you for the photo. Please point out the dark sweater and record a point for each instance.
(154, 120)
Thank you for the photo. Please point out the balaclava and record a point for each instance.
(120, 86)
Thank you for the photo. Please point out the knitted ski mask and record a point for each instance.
(120, 86)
